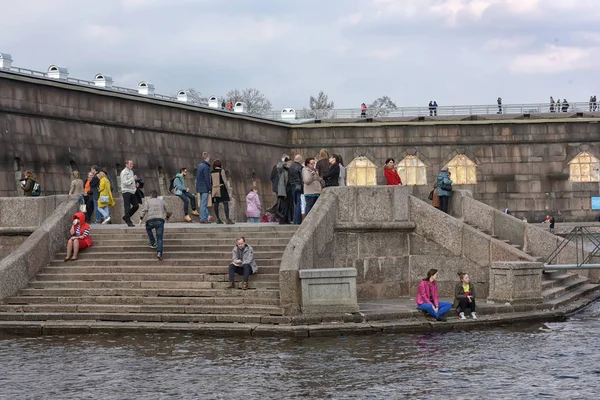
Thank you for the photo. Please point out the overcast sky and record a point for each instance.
(452, 51)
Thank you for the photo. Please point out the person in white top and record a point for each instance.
(128, 188)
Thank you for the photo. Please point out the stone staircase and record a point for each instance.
(120, 279)
(558, 287)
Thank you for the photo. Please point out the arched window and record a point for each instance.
(361, 172)
(412, 171)
(584, 168)
(463, 170)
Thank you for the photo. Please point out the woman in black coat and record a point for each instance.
(332, 175)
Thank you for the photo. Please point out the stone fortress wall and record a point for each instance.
(53, 127)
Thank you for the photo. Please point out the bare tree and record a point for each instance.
(319, 106)
(382, 107)
(256, 102)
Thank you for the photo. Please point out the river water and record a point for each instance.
(553, 360)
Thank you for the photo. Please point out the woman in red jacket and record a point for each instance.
(391, 175)
(80, 236)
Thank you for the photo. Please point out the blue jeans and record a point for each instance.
(96, 212)
(204, 214)
(159, 225)
(104, 211)
(297, 193)
(254, 219)
(187, 198)
(443, 309)
(310, 202)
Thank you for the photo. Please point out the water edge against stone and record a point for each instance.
(556, 360)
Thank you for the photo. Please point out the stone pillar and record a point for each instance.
(516, 282)
(329, 290)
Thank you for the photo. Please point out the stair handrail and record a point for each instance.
(579, 234)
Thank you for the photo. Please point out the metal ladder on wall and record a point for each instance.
(579, 235)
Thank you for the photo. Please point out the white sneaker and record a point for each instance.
(106, 221)
(462, 315)
(473, 315)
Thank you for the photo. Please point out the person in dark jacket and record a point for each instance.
(332, 175)
(323, 162)
(275, 183)
(295, 177)
(444, 188)
(220, 194)
(285, 201)
(204, 187)
(464, 296)
(95, 186)
(28, 183)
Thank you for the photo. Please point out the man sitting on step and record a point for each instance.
(156, 212)
(242, 262)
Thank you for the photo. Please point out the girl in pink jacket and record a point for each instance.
(427, 297)
(253, 208)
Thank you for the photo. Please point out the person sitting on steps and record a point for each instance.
(427, 297)
(243, 263)
(183, 192)
(464, 296)
(80, 237)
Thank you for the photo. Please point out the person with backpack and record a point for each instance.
(28, 184)
(183, 192)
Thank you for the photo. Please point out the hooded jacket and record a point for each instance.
(253, 207)
(105, 191)
(179, 184)
(82, 228)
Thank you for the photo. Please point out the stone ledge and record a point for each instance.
(17, 231)
(402, 226)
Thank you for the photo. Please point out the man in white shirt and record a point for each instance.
(128, 188)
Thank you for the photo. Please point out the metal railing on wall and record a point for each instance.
(351, 113)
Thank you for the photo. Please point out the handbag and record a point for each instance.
(83, 208)
(446, 187)
(210, 202)
(104, 199)
(430, 197)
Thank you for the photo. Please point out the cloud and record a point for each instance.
(504, 44)
(554, 59)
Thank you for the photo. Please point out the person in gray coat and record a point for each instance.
(243, 263)
(156, 213)
(444, 188)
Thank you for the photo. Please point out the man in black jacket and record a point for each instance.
(95, 187)
(295, 177)
(275, 182)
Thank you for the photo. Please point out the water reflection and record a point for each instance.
(558, 360)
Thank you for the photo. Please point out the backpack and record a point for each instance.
(37, 190)
(172, 185)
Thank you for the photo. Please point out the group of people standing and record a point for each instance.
(557, 106)
(298, 183)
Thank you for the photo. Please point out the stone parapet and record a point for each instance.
(329, 290)
(516, 282)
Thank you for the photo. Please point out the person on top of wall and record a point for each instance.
(332, 175)
(427, 297)
(391, 175)
(444, 188)
(363, 110)
(220, 194)
(80, 237)
(183, 192)
(28, 183)
(105, 201)
(464, 296)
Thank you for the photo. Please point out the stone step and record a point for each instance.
(143, 247)
(558, 291)
(557, 280)
(140, 308)
(150, 260)
(573, 295)
(143, 284)
(90, 254)
(200, 229)
(66, 268)
(272, 241)
(176, 235)
(147, 292)
(221, 276)
(144, 317)
(271, 298)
